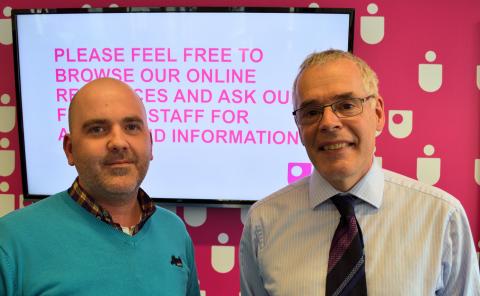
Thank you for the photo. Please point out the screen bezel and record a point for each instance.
(166, 201)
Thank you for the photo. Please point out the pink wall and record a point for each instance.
(432, 132)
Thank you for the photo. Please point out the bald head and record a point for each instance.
(96, 89)
(109, 141)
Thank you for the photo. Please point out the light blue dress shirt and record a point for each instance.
(417, 239)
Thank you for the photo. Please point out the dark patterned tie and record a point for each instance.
(346, 261)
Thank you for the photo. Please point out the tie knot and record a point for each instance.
(344, 204)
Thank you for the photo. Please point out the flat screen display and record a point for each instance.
(216, 84)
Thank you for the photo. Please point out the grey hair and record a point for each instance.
(369, 77)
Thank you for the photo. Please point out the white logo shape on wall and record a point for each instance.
(7, 201)
(478, 76)
(195, 216)
(428, 168)
(6, 27)
(22, 201)
(400, 123)
(223, 257)
(477, 171)
(379, 160)
(7, 158)
(372, 28)
(7, 115)
(430, 75)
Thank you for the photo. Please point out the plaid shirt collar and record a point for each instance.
(147, 206)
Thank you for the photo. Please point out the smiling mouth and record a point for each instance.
(335, 146)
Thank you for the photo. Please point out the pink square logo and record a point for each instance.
(298, 170)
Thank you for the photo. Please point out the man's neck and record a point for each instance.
(127, 213)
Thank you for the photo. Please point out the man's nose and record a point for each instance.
(117, 139)
(329, 120)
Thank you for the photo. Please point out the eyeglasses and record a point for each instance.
(312, 113)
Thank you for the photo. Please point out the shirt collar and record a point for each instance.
(368, 189)
(82, 198)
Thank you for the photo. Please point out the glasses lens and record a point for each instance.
(348, 107)
(343, 108)
(309, 114)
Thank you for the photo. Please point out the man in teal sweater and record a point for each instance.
(104, 235)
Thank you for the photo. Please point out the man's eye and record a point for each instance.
(133, 127)
(346, 105)
(312, 112)
(96, 130)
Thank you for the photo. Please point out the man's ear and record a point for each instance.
(67, 148)
(294, 107)
(151, 146)
(380, 112)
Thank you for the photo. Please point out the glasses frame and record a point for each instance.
(322, 108)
